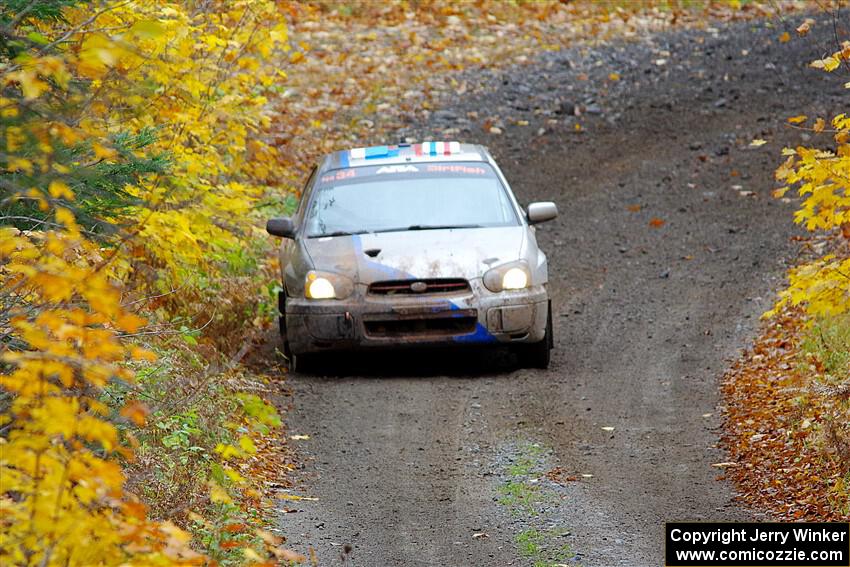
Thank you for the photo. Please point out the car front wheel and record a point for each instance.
(281, 322)
(537, 355)
(281, 307)
(302, 363)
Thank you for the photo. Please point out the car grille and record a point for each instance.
(419, 287)
(433, 327)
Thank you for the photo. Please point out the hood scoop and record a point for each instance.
(372, 252)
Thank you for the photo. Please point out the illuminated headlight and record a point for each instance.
(515, 278)
(320, 288)
(323, 285)
(514, 275)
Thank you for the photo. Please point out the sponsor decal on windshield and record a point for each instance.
(355, 175)
(397, 169)
(455, 168)
(339, 175)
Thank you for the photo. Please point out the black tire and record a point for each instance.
(281, 323)
(302, 363)
(281, 320)
(538, 355)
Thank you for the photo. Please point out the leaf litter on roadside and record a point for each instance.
(787, 421)
(352, 82)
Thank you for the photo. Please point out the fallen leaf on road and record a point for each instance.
(607, 428)
(561, 475)
(798, 119)
(289, 556)
(804, 28)
(634, 208)
(725, 464)
(785, 37)
(295, 497)
(828, 64)
(480, 535)
(299, 437)
(656, 222)
(757, 142)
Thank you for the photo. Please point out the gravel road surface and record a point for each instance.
(407, 451)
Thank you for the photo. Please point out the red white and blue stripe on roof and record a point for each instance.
(426, 151)
(423, 149)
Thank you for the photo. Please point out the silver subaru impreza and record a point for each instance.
(412, 245)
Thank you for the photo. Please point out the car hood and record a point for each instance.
(419, 254)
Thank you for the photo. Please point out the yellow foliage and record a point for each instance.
(822, 178)
(197, 75)
(61, 495)
(196, 78)
(199, 79)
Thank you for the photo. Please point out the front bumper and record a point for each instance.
(363, 321)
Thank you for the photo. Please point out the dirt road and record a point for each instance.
(408, 452)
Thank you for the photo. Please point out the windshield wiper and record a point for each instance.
(430, 227)
(396, 229)
(339, 233)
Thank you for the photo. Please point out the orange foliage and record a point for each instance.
(777, 424)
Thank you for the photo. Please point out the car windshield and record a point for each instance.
(408, 197)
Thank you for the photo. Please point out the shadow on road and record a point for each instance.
(411, 363)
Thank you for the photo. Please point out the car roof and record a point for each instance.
(426, 152)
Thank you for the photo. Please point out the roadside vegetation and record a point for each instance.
(788, 398)
(134, 170)
(143, 145)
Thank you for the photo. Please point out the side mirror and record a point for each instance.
(540, 212)
(282, 226)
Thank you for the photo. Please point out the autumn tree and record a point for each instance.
(131, 158)
(821, 176)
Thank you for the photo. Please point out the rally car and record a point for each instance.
(412, 245)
